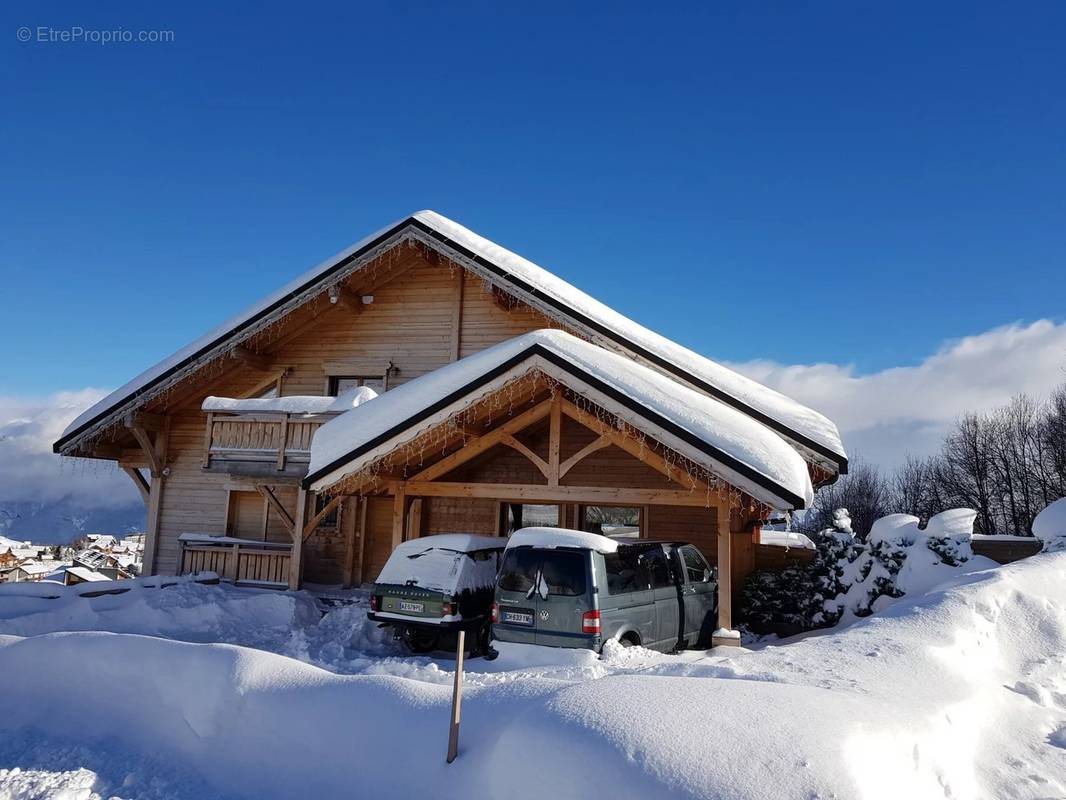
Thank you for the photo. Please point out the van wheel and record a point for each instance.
(627, 641)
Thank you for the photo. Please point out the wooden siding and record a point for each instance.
(409, 324)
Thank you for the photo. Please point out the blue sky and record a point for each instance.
(852, 183)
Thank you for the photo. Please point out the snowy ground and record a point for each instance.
(209, 691)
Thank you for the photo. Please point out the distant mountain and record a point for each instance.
(64, 520)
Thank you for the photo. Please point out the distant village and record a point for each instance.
(90, 558)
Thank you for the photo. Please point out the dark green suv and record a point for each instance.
(433, 586)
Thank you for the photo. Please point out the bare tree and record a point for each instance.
(863, 492)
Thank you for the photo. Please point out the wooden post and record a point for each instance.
(399, 514)
(297, 539)
(555, 423)
(725, 578)
(281, 443)
(158, 456)
(457, 699)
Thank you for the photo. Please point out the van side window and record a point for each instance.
(695, 565)
(658, 570)
(624, 572)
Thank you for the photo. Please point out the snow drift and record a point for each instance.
(960, 692)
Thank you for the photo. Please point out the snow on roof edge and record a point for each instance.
(795, 417)
(761, 458)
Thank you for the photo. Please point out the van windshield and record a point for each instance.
(562, 572)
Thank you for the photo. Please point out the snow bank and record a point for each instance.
(960, 692)
(561, 537)
(709, 420)
(1050, 525)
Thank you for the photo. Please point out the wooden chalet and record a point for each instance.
(426, 380)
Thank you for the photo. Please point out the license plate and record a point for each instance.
(406, 605)
(517, 617)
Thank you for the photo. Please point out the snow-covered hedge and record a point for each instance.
(848, 578)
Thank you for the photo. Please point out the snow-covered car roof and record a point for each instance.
(815, 434)
(562, 537)
(712, 434)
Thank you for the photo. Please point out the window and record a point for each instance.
(518, 516)
(564, 573)
(557, 572)
(624, 571)
(332, 518)
(339, 384)
(654, 563)
(519, 570)
(695, 565)
(618, 522)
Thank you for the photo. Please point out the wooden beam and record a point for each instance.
(252, 360)
(457, 316)
(592, 495)
(347, 299)
(149, 422)
(485, 442)
(364, 538)
(634, 448)
(134, 458)
(296, 559)
(349, 521)
(158, 458)
(274, 503)
(583, 453)
(725, 570)
(399, 514)
(414, 519)
(538, 462)
(139, 482)
(310, 527)
(555, 432)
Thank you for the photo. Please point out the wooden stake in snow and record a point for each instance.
(457, 699)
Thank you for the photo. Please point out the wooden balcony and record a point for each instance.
(261, 444)
(242, 561)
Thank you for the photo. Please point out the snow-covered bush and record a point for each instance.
(1050, 526)
(847, 577)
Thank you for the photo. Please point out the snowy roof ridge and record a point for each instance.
(813, 433)
(717, 436)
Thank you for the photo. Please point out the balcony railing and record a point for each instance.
(261, 444)
(242, 561)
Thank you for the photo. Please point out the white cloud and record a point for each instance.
(885, 415)
(29, 471)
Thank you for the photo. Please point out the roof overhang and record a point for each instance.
(653, 424)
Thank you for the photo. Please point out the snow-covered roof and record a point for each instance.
(293, 404)
(715, 435)
(35, 568)
(816, 435)
(87, 574)
(787, 539)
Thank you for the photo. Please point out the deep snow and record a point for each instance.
(960, 692)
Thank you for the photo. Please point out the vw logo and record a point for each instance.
(544, 616)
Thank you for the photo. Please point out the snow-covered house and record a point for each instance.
(427, 380)
(29, 571)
